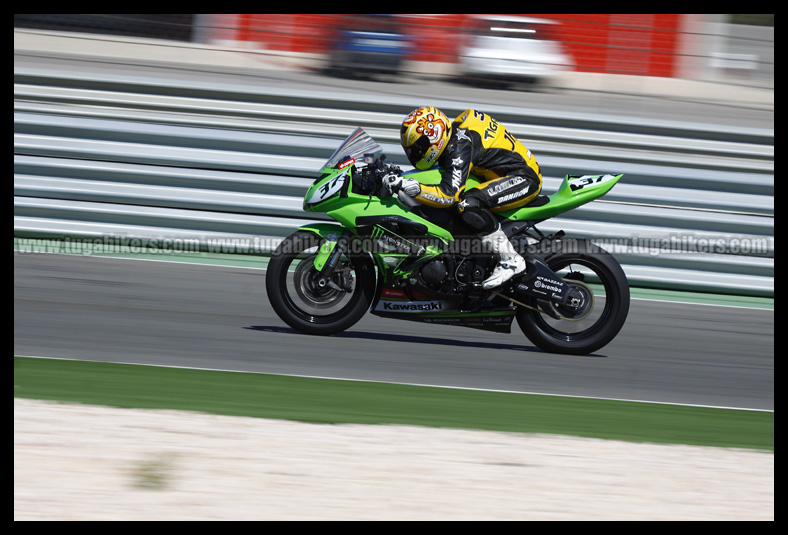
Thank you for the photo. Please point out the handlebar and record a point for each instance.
(370, 180)
(371, 176)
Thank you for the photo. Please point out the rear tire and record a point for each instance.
(575, 257)
(299, 302)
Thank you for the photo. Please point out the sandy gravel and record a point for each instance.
(79, 462)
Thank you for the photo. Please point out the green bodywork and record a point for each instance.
(331, 194)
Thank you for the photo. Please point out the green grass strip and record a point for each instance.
(337, 401)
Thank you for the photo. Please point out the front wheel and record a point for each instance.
(298, 298)
(601, 282)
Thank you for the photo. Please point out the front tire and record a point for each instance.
(297, 299)
(594, 268)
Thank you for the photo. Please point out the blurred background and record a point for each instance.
(212, 126)
(475, 48)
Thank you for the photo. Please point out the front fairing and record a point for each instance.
(335, 193)
(336, 174)
(329, 190)
(334, 196)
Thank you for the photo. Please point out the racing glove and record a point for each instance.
(394, 183)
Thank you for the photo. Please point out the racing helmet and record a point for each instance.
(424, 135)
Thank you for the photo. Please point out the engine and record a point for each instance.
(434, 273)
(449, 275)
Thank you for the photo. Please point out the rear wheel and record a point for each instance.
(300, 299)
(602, 305)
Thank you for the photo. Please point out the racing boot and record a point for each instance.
(510, 263)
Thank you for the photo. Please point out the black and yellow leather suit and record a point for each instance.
(509, 176)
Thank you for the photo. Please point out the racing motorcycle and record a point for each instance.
(397, 258)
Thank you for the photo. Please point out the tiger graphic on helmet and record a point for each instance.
(431, 126)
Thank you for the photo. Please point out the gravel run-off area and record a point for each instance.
(83, 462)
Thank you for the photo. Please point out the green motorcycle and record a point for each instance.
(397, 258)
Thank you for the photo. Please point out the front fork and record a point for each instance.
(337, 241)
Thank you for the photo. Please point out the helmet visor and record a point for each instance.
(416, 152)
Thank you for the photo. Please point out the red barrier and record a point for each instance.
(640, 44)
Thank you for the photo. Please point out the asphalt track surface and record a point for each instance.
(177, 314)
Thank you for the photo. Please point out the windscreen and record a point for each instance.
(355, 146)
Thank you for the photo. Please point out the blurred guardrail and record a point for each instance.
(224, 168)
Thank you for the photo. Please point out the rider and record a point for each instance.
(474, 143)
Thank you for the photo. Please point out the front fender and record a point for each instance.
(330, 233)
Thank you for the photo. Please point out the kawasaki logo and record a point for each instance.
(410, 306)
